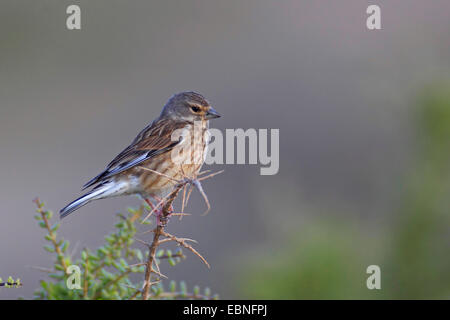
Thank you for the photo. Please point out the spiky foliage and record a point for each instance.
(105, 273)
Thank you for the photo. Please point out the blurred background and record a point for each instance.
(364, 119)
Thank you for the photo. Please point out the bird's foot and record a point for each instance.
(158, 210)
(161, 218)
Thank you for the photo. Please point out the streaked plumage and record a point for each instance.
(174, 145)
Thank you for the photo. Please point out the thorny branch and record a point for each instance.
(157, 233)
(151, 266)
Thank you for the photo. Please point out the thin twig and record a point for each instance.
(51, 234)
(210, 175)
(183, 202)
(86, 283)
(182, 242)
(47, 270)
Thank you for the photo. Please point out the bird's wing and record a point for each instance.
(155, 139)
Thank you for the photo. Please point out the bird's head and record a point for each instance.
(189, 106)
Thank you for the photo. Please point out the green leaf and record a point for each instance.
(139, 254)
(183, 288)
(123, 263)
(196, 290)
(67, 261)
(44, 284)
(119, 225)
(49, 248)
(173, 286)
(55, 227)
(56, 276)
(64, 246)
(102, 251)
(59, 267)
(160, 253)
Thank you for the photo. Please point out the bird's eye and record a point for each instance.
(195, 109)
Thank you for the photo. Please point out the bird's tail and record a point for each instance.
(95, 194)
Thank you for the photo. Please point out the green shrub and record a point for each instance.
(105, 272)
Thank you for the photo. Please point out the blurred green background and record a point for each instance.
(324, 259)
(364, 136)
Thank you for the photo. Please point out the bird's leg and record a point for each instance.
(157, 210)
(162, 203)
(152, 206)
(161, 219)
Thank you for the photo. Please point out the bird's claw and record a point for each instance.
(161, 218)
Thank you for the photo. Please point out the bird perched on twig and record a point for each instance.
(171, 148)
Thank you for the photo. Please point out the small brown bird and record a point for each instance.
(170, 148)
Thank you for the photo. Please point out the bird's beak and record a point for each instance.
(212, 114)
